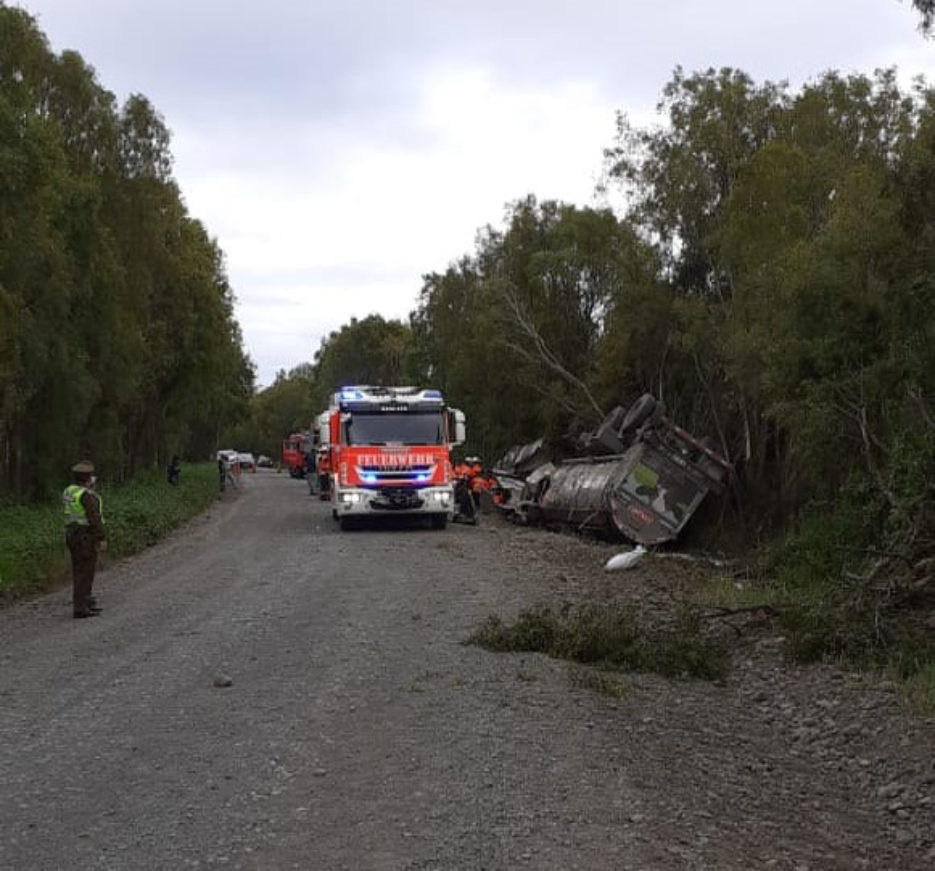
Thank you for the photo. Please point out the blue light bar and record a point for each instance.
(422, 478)
(432, 394)
(369, 479)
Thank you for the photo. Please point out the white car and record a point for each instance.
(247, 462)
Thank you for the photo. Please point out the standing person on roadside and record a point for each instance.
(84, 535)
(311, 470)
(174, 470)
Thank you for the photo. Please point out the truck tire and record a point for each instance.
(639, 412)
(347, 523)
(439, 521)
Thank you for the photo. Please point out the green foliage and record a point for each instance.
(285, 407)
(524, 323)
(31, 547)
(919, 690)
(926, 10)
(608, 637)
(117, 334)
(598, 682)
(137, 514)
(141, 513)
(839, 594)
(369, 351)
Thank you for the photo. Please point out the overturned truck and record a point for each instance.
(638, 475)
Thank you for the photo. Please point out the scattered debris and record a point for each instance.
(623, 561)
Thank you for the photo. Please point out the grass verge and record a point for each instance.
(33, 557)
(919, 691)
(608, 637)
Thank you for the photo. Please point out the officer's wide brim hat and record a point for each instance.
(85, 467)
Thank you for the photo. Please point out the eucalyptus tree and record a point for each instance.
(373, 350)
(285, 406)
(117, 336)
(926, 10)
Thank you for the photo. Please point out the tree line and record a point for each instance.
(772, 281)
(117, 334)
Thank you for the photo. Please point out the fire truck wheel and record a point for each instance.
(348, 523)
(439, 521)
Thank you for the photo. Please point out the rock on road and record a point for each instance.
(264, 691)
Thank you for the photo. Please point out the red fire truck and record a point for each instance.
(294, 449)
(390, 453)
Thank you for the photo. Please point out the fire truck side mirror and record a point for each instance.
(457, 427)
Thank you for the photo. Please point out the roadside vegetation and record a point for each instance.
(610, 638)
(137, 514)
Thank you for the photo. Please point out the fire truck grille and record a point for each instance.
(398, 499)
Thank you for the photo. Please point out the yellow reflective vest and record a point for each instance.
(74, 509)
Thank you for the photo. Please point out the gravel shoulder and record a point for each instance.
(359, 732)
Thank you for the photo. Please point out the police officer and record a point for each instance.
(84, 535)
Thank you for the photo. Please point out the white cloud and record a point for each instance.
(387, 210)
(339, 151)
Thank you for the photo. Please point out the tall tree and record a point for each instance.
(369, 351)
(926, 9)
(117, 336)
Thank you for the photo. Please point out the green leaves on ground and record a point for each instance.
(609, 637)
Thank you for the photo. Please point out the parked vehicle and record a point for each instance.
(246, 461)
(389, 453)
(294, 449)
(228, 455)
(264, 462)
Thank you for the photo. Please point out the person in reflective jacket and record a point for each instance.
(84, 536)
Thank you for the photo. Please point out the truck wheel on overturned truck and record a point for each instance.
(638, 413)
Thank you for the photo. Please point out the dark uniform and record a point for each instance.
(84, 535)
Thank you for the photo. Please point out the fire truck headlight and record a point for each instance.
(350, 497)
(444, 498)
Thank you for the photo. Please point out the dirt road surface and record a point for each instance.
(359, 732)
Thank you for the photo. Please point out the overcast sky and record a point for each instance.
(340, 149)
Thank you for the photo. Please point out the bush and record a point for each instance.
(841, 584)
(608, 637)
(136, 515)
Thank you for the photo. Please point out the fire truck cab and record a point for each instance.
(390, 453)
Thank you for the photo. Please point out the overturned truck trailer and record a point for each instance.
(640, 476)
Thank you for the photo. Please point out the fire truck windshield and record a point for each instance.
(389, 428)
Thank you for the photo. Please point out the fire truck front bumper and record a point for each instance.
(388, 500)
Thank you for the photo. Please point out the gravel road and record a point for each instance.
(359, 732)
